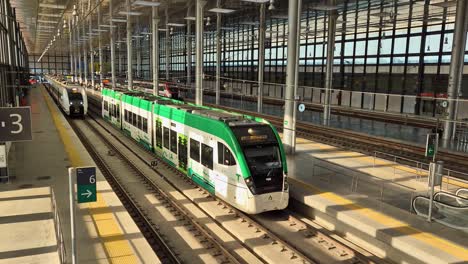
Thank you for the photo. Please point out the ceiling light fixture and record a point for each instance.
(107, 26)
(176, 24)
(221, 10)
(257, 1)
(272, 5)
(49, 15)
(119, 20)
(52, 6)
(146, 3)
(208, 21)
(124, 13)
(47, 21)
(190, 18)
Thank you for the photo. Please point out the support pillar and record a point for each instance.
(91, 52)
(456, 68)
(78, 40)
(85, 55)
(288, 128)
(261, 57)
(101, 74)
(199, 53)
(168, 44)
(332, 16)
(189, 54)
(129, 48)
(155, 39)
(72, 71)
(112, 45)
(218, 55)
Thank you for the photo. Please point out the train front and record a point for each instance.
(266, 162)
(77, 102)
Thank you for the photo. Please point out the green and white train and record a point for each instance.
(238, 158)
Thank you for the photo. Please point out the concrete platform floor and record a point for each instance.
(370, 204)
(105, 231)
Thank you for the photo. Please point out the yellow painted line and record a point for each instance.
(116, 246)
(390, 222)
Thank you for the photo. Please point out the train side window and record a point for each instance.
(173, 141)
(126, 116)
(207, 156)
(118, 111)
(159, 134)
(145, 125)
(139, 124)
(225, 156)
(106, 105)
(195, 150)
(130, 118)
(134, 120)
(166, 137)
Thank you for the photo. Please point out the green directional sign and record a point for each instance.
(431, 144)
(86, 181)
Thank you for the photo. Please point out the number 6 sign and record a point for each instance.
(15, 124)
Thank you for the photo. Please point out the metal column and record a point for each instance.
(218, 55)
(78, 40)
(261, 57)
(91, 51)
(129, 48)
(112, 46)
(199, 53)
(168, 44)
(120, 51)
(71, 47)
(138, 56)
(288, 128)
(101, 75)
(332, 16)
(189, 55)
(155, 39)
(85, 54)
(456, 68)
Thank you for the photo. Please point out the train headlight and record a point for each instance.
(249, 182)
(81, 102)
(71, 103)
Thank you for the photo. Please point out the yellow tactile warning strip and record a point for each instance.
(380, 162)
(401, 227)
(116, 246)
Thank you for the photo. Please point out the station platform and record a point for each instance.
(37, 194)
(369, 201)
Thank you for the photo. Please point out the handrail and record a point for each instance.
(440, 205)
(461, 201)
(447, 173)
(457, 193)
(61, 250)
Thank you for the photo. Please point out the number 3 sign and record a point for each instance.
(15, 124)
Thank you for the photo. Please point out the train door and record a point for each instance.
(183, 152)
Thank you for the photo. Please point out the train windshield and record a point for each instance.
(262, 153)
(75, 96)
(261, 158)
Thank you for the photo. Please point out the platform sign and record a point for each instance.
(86, 181)
(15, 124)
(431, 144)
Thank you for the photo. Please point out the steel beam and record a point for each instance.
(199, 53)
(456, 68)
(332, 16)
(288, 127)
(261, 57)
(112, 45)
(129, 47)
(218, 54)
(155, 39)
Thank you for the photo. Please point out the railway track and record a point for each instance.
(310, 244)
(160, 243)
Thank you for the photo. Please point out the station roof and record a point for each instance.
(40, 20)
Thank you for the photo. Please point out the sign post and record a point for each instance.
(432, 145)
(86, 192)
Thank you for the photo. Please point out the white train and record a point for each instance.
(71, 98)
